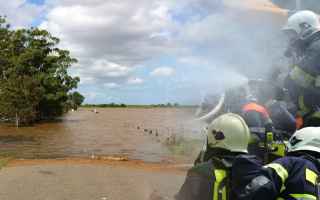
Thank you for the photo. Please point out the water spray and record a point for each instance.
(213, 112)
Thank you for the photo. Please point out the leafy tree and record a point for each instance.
(34, 82)
(76, 99)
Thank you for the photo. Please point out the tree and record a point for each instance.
(34, 83)
(76, 99)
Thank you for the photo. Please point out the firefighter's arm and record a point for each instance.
(266, 185)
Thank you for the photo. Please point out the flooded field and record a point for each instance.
(131, 132)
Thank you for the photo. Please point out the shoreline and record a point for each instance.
(171, 165)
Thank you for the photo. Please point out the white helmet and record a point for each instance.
(305, 23)
(230, 132)
(305, 139)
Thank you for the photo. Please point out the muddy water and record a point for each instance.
(130, 132)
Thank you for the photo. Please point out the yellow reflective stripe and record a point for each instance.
(301, 77)
(252, 141)
(270, 102)
(303, 108)
(311, 176)
(281, 149)
(317, 81)
(303, 196)
(282, 172)
(220, 174)
(316, 114)
(280, 80)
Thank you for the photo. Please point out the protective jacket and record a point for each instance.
(205, 180)
(303, 82)
(286, 178)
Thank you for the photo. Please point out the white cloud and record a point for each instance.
(118, 43)
(135, 80)
(112, 85)
(21, 13)
(162, 71)
(196, 61)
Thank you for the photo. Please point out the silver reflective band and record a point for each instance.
(280, 80)
(257, 129)
(301, 77)
(257, 133)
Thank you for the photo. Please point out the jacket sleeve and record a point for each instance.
(267, 184)
(304, 76)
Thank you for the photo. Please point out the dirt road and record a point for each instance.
(88, 178)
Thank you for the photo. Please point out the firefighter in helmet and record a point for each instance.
(228, 136)
(303, 81)
(293, 176)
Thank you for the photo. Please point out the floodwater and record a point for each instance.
(131, 132)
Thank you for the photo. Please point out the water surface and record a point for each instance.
(131, 132)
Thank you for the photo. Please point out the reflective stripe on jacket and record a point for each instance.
(304, 78)
(301, 77)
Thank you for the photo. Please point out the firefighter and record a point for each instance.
(259, 122)
(293, 176)
(228, 136)
(303, 81)
(240, 101)
(274, 101)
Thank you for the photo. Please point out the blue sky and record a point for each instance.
(155, 52)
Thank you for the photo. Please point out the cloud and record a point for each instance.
(120, 44)
(28, 12)
(112, 85)
(162, 71)
(135, 80)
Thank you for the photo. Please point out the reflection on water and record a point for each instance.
(129, 132)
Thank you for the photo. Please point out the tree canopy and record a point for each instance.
(34, 82)
(76, 99)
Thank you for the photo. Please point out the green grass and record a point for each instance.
(189, 149)
(2, 164)
(3, 158)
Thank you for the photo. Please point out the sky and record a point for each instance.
(142, 52)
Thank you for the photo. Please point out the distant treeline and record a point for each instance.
(114, 105)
